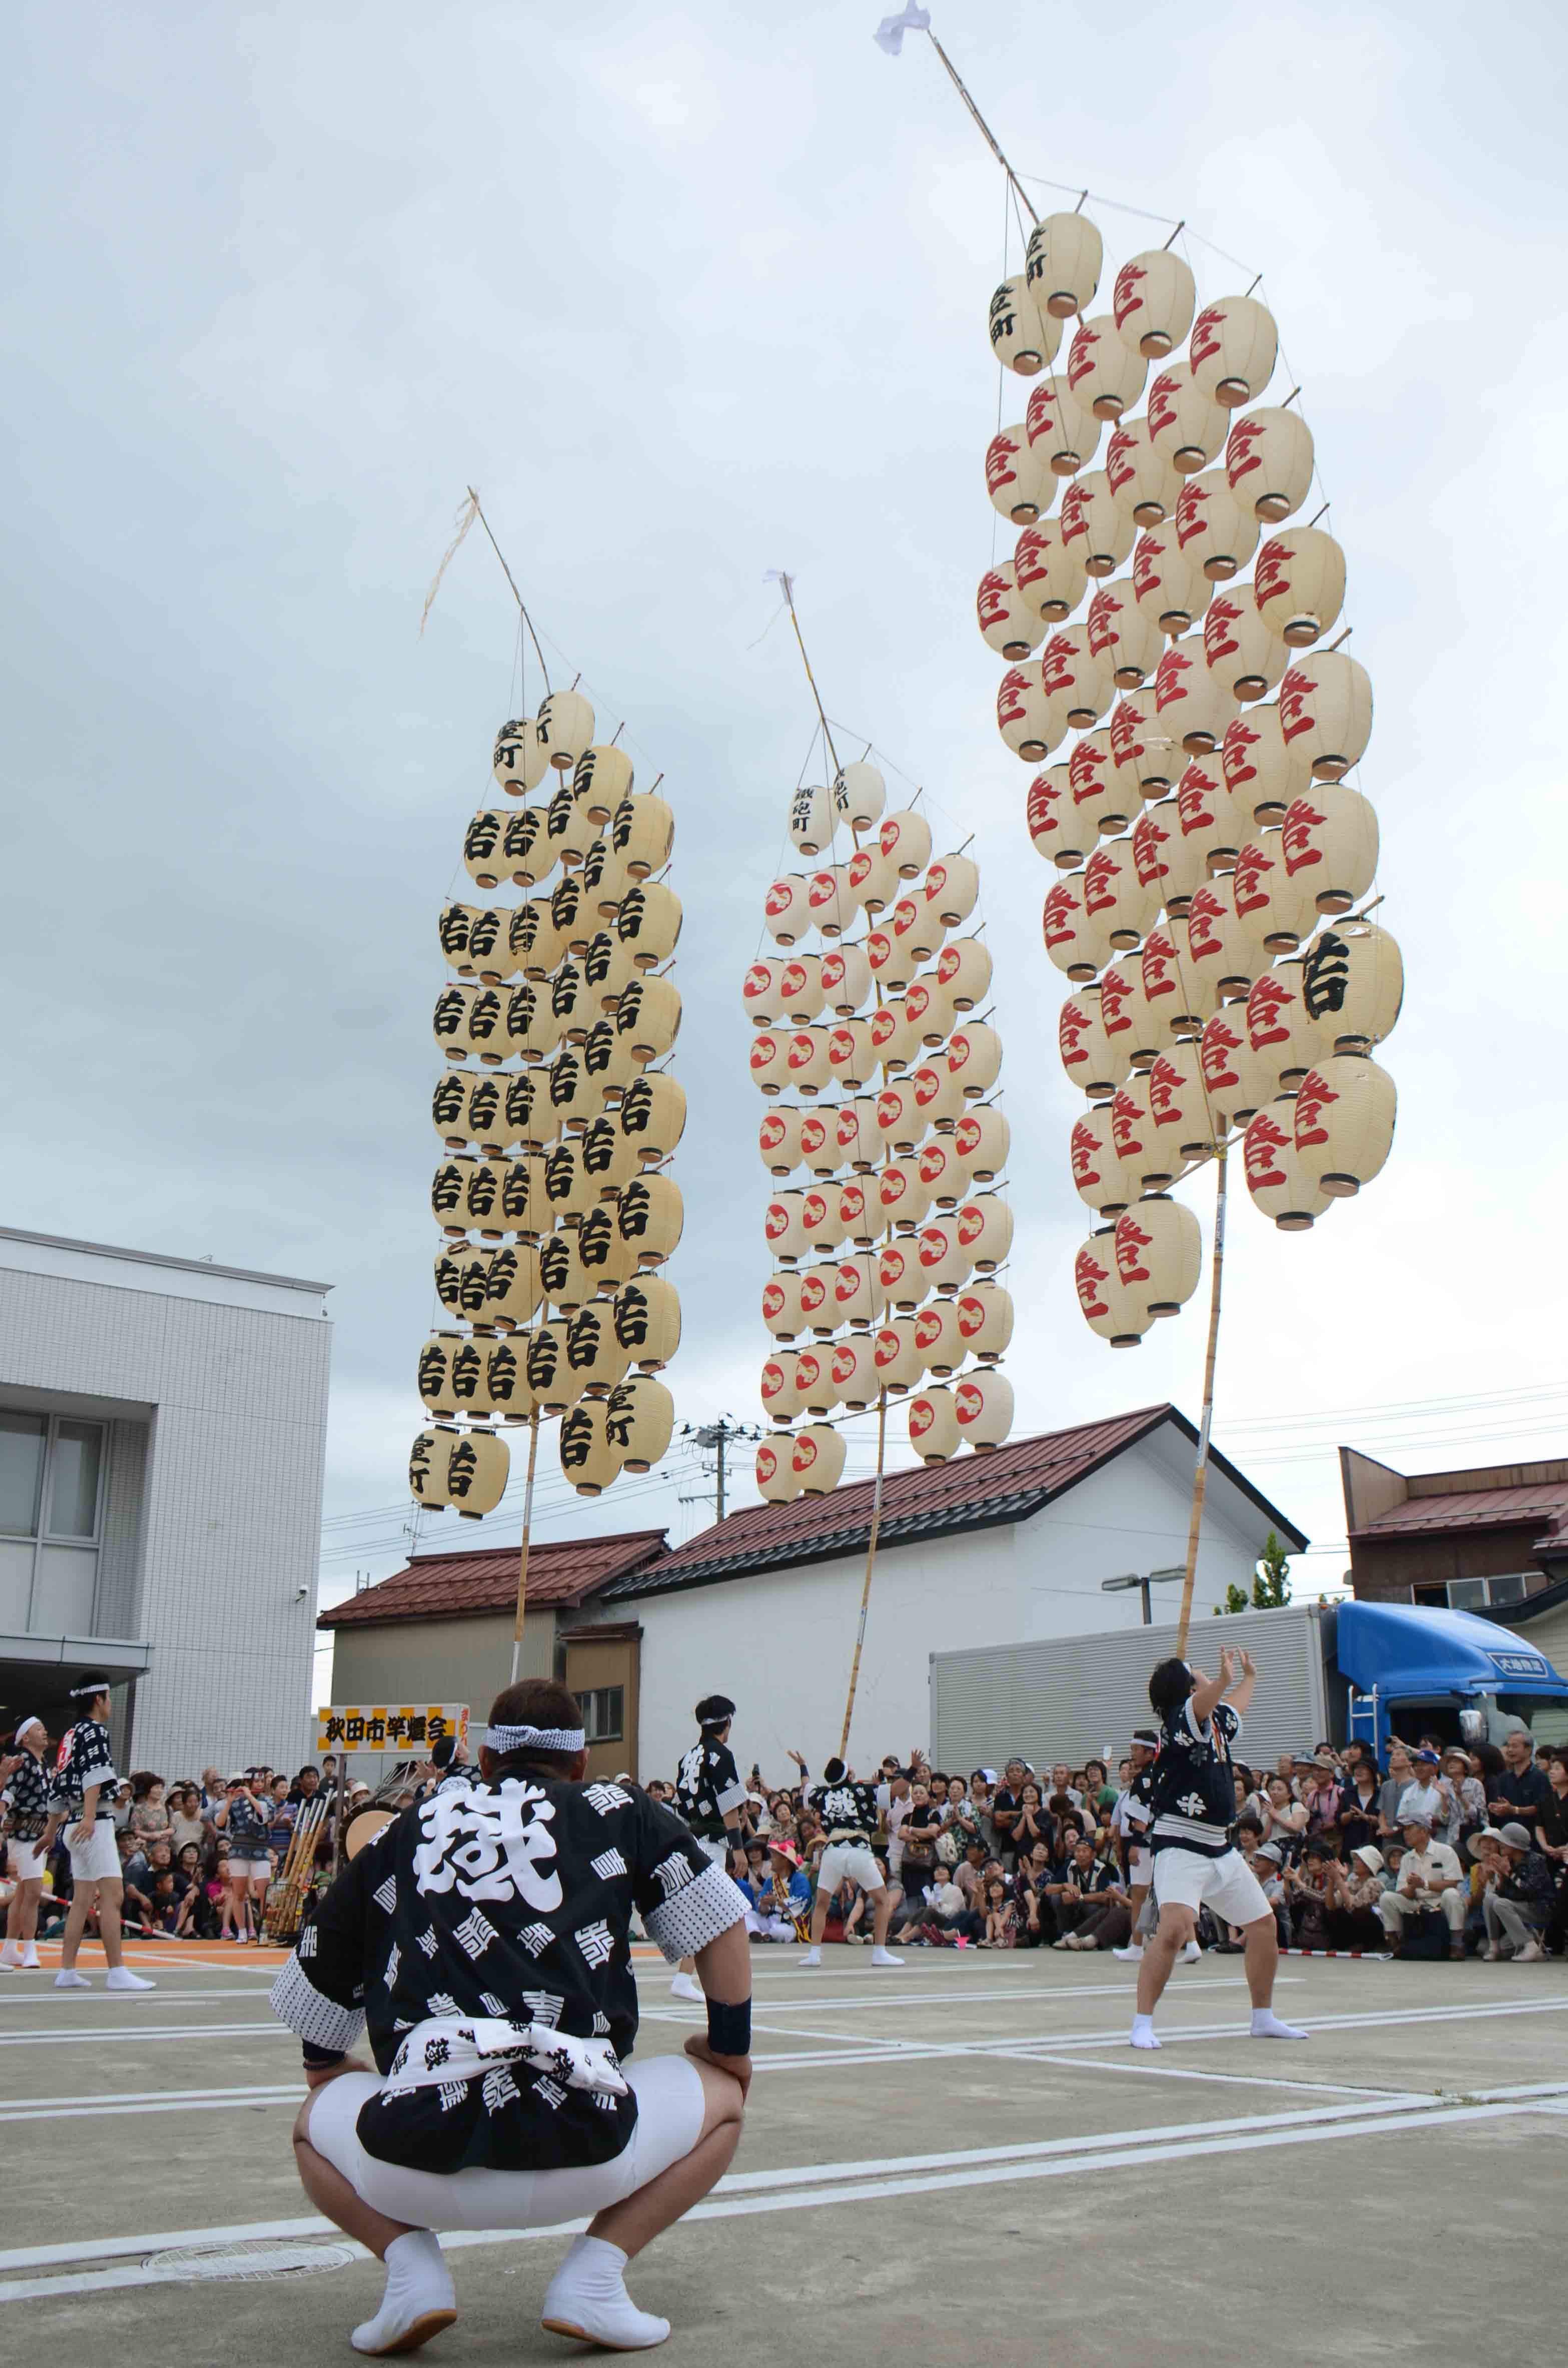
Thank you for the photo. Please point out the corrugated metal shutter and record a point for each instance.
(1077, 1697)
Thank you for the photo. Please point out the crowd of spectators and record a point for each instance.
(1441, 1852)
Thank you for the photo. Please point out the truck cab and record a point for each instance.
(1450, 1673)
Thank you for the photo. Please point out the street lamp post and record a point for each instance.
(1143, 1581)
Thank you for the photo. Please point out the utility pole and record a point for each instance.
(713, 1438)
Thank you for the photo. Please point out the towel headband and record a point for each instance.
(540, 1738)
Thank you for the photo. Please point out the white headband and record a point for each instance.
(28, 1725)
(541, 1738)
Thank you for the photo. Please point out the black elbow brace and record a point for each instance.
(729, 2027)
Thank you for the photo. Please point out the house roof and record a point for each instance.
(456, 1585)
(934, 1501)
(1537, 1503)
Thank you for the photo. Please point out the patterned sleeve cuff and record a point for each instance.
(312, 2015)
(698, 1913)
(732, 1797)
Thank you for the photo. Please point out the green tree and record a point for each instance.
(1271, 1587)
(1235, 1600)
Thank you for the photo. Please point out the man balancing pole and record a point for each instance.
(849, 1811)
(1194, 1804)
(709, 1796)
(481, 1940)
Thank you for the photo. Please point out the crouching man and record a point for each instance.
(480, 1941)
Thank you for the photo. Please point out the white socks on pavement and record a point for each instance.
(418, 2301)
(588, 2298)
(686, 1986)
(811, 1957)
(1265, 2024)
(880, 1957)
(68, 1978)
(1191, 1955)
(1133, 1955)
(1143, 2031)
(121, 1978)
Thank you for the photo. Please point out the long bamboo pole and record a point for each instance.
(871, 1561)
(986, 133)
(523, 1554)
(1201, 1472)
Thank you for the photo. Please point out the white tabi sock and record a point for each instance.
(813, 1956)
(1143, 2031)
(588, 2298)
(1265, 2024)
(419, 2300)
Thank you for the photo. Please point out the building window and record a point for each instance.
(1481, 1595)
(24, 1439)
(53, 1470)
(603, 1711)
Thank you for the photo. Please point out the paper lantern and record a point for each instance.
(435, 1381)
(762, 995)
(648, 923)
(1298, 584)
(1238, 1079)
(811, 1381)
(1233, 350)
(528, 1118)
(892, 966)
(806, 1062)
(1146, 755)
(607, 1261)
(1213, 527)
(592, 1352)
(1062, 268)
(963, 972)
(608, 969)
(900, 1281)
(974, 1058)
(812, 818)
(784, 1224)
(482, 846)
(483, 1205)
(1165, 988)
(1118, 910)
(531, 1025)
(1109, 1307)
(845, 977)
(428, 1464)
(565, 727)
(647, 1321)
(985, 1231)
(859, 1217)
(872, 878)
(1101, 799)
(1280, 1029)
(640, 1422)
(1345, 1120)
(1026, 716)
(1276, 911)
(448, 1193)
(824, 1229)
(522, 759)
(981, 1141)
(1018, 479)
(1240, 649)
(851, 1294)
(569, 828)
(1353, 985)
(938, 1337)
(902, 1199)
(1060, 434)
(1052, 578)
(572, 1006)
(526, 856)
(488, 948)
(449, 1109)
(1145, 483)
(942, 1171)
(982, 1404)
(1179, 1107)
(829, 904)
(892, 1034)
(1071, 942)
(781, 1400)
(1008, 625)
(1104, 373)
(860, 794)
(462, 1280)
(857, 1135)
(899, 1121)
(641, 834)
(896, 1353)
(650, 1215)
(933, 1424)
(1222, 958)
(1167, 587)
(1153, 303)
(1191, 702)
(1023, 338)
(1094, 526)
(569, 1190)
(984, 1312)
(1084, 1047)
(784, 910)
(768, 1061)
(609, 1155)
(1329, 841)
(1122, 637)
(952, 888)
(942, 1253)
(781, 1311)
(1151, 1164)
(653, 1116)
(572, 914)
(800, 988)
(1276, 1172)
(489, 1114)
(1184, 424)
(1049, 812)
(1099, 1175)
(1325, 713)
(817, 1459)
(534, 939)
(590, 1455)
(1269, 460)
(1262, 772)
(930, 1009)
(477, 1466)
(600, 780)
(1167, 866)
(937, 1094)
(1159, 1254)
(1135, 1027)
(779, 1141)
(608, 1060)
(776, 1482)
(526, 1205)
(1076, 680)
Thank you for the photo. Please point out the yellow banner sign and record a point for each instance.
(405, 1730)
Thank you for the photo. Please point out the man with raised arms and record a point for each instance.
(849, 1812)
(708, 1797)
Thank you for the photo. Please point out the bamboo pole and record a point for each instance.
(871, 1563)
(523, 1556)
(986, 133)
(1201, 1472)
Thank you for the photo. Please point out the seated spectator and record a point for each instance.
(968, 1870)
(1355, 1889)
(1467, 1797)
(1269, 1865)
(1427, 1796)
(783, 1908)
(1284, 1817)
(947, 1919)
(1321, 1795)
(138, 1899)
(1517, 1907)
(1306, 1893)
(1031, 1824)
(1034, 1917)
(1486, 1866)
(167, 1901)
(1359, 1794)
(1108, 1920)
(149, 1816)
(999, 1923)
(918, 1861)
(1429, 1882)
(1076, 1888)
(187, 1823)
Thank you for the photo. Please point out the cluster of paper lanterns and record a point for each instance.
(557, 1116)
(882, 1138)
(1163, 625)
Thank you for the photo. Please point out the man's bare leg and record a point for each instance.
(1171, 1936)
(1262, 1960)
(819, 1926)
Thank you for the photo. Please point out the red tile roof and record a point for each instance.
(449, 1586)
(1471, 1508)
(970, 1492)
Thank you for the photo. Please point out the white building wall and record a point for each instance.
(781, 1643)
(213, 1559)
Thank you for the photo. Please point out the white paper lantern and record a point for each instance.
(1146, 755)
(857, 1136)
(1100, 1176)
(942, 1254)
(899, 1123)
(482, 846)
(1104, 373)
(860, 794)
(930, 1009)
(1280, 1029)
(850, 1293)
(952, 886)
(784, 910)
(1008, 625)
(1345, 1109)
(1238, 1079)
(1119, 909)
(1276, 912)
(1103, 798)
(900, 1283)
(821, 1211)
(1151, 1163)
(1276, 1172)
(982, 1139)
(811, 817)
(817, 1459)
(902, 1199)
(894, 1037)
(830, 905)
(1023, 338)
(1085, 1048)
(1093, 528)
(939, 1095)
(806, 1061)
(1019, 479)
(1169, 588)
(872, 878)
(777, 1482)
(1269, 460)
(779, 1141)
(569, 828)
(1298, 584)
(1109, 1307)
(974, 1058)
(984, 1312)
(1143, 481)
(1154, 301)
(944, 1174)
(800, 988)
(1325, 712)
(905, 839)
(1329, 841)
(1221, 960)
(565, 727)
(1159, 1254)
(1061, 433)
(963, 972)
(1062, 266)
(1179, 1107)
(985, 1231)
(1070, 941)
(860, 1215)
(1240, 649)
(817, 1308)
(1353, 985)
(1122, 637)
(846, 979)
(762, 993)
(1185, 425)
(1191, 702)
(1026, 716)
(1051, 579)
(521, 759)
(1168, 865)
(897, 1355)
(768, 1060)
(1262, 771)
(781, 1402)
(933, 1424)
(1232, 349)
(1213, 527)
(983, 1404)
(1165, 991)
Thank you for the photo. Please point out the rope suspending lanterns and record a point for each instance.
(558, 1118)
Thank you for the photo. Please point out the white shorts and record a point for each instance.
(99, 1861)
(670, 2106)
(27, 1858)
(1140, 1867)
(717, 1851)
(249, 1870)
(851, 1858)
(1226, 1885)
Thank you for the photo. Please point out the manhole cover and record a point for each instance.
(253, 2257)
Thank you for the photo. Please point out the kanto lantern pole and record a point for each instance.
(523, 1554)
(985, 129)
(870, 1559)
(1201, 1475)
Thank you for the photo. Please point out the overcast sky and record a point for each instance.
(689, 295)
